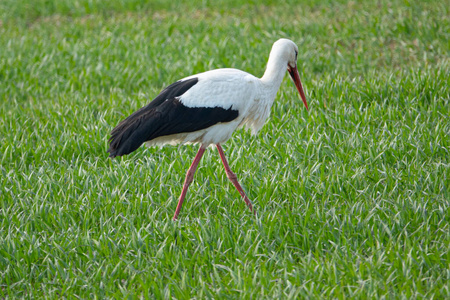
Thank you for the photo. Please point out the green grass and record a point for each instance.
(352, 197)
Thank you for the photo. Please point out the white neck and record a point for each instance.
(273, 76)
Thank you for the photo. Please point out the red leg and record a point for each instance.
(189, 177)
(233, 178)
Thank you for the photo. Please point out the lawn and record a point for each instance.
(352, 196)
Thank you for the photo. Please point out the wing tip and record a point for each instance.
(134, 130)
(112, 153)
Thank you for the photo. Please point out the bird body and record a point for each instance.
(207, 108)
(223, 90)
(227, 89)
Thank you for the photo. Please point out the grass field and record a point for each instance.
(352, 196)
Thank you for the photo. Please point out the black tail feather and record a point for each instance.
(120, 142)
(132, 132)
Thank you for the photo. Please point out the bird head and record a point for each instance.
(289, 51)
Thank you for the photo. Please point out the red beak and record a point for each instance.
(294, 75)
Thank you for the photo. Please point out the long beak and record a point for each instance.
(298, 84)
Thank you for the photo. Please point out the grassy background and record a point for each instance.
(352, 196)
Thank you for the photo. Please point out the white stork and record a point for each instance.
(206, 108)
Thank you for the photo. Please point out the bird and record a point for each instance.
(206, 109)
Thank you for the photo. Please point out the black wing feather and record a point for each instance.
(165, 115)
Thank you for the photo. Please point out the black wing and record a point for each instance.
(165, 115)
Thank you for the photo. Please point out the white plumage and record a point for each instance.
(225, 88)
